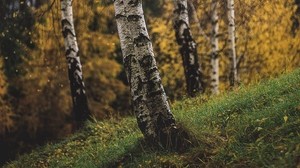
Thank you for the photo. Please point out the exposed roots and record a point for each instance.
(174, 138)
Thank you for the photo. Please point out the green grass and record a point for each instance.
(257, 126)
(99, 144)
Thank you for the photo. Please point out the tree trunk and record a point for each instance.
(194, 16)
(215, 48)
(80, 105)
(188, 49)
(233, 75)
(149, 100)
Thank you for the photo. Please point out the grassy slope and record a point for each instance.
(257, 126)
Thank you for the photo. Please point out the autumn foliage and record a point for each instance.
(35, 103)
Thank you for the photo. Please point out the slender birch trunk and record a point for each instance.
(233, 75)
(80, 106)
(188, 49)
(149, 100)
(215, 48)
(296, 18)
(196, 19)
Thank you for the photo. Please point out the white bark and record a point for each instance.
(188, 49)
(233, 76)
(215, 48)
(148, 96)
(80, 106)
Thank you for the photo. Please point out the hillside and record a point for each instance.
(255, 126)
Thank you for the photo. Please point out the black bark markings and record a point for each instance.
(69, 50)
(66, 31)
(134, 18)
(81, 110)
(146, 61)
(148, 96)
(141, 40)
(188, 51)
(133, 3)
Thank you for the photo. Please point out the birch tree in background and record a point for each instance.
(80, 105)
(194, 16)
(188, 49)
(215, 48)
(233, 75)
(149, 100)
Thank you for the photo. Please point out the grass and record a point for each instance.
(257, 126)
(97, 145)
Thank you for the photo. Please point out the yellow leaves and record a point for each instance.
(270, 46)
(158, 27)
(3, 82)
(164, 35)
(6, 114)
(102, 66)
(6, 117)
(285, 118)
(46, 66)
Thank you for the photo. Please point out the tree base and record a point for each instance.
(173, 138)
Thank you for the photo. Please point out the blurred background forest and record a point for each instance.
(35, 101)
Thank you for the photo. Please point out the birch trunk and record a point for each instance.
(233, 76)
(80, 106)
(215, 48)
(192, 8)
(188, 49)
(149, 100)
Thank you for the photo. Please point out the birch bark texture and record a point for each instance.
(188, 49)
(81, 111)
(149, 100)
(233, 74)
(215, 48)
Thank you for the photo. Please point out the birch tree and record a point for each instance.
(188, 49)
(233, 75)
(193, 11)
(150, 104)
(215, 48)
(80, 105)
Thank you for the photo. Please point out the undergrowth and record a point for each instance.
(255, 126)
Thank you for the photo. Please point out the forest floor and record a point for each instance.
(254, 126)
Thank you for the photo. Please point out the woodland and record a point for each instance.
(66, 63)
